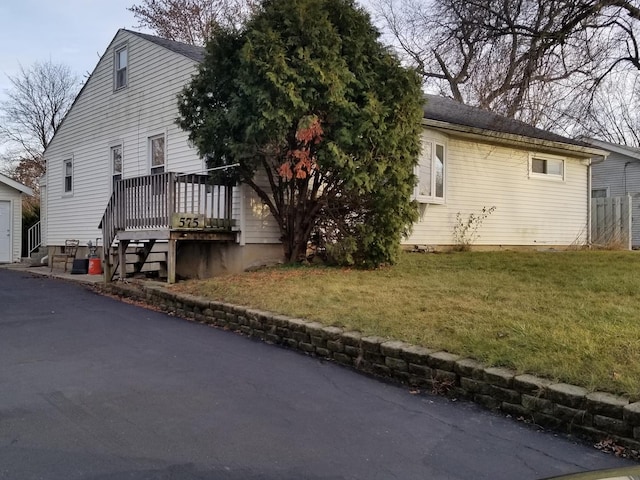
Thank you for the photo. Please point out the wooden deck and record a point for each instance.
(166, 207)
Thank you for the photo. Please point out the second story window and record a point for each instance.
(121, 63)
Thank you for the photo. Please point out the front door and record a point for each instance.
(5, 231)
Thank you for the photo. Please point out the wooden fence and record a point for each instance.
(611, 222)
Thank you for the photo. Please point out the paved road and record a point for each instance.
(91, 388)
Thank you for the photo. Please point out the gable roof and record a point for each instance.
(631, 152)
(190, 51)
(443, 112)
(16, 185)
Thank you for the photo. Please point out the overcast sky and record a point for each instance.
(75, 32)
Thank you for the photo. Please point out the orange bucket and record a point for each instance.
(95, 266)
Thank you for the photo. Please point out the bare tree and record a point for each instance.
(613, 114)
(528, 59)
(190, 21)
(34, 108)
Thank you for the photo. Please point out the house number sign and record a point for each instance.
(187, 221)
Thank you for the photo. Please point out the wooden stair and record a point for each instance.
(146, 257)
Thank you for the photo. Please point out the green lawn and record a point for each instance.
(569, 316)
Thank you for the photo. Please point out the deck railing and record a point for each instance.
(151, 202)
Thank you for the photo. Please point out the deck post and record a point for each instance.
(108, 267)
(171, 261)
(122, 253)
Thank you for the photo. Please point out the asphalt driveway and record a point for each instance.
(91, 388)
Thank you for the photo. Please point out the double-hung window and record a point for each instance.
(68, 176)
(431, 172)
(157, 154)
(116, 164)
(121, 61)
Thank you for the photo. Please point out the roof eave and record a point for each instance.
(514, 139)
(16, 185)
(613, 148)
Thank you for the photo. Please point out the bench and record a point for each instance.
(66, 254)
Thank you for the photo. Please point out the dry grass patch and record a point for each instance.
(569, 316)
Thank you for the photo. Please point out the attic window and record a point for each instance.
(121, 63)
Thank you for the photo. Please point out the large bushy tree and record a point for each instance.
(322, 119)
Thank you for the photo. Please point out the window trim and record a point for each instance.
(65, 192)
(547, 176)
(117, 70)
(150, 140)
(435, 141)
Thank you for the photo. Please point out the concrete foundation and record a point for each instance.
(198, 260)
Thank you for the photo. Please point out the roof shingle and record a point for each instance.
(449, 111)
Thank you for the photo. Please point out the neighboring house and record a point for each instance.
(619, 176)
(120, 168)
(11, 193)
(538, 182)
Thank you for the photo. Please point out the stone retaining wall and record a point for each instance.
(558, 406)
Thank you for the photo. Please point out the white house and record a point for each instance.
(119, 168)
(122, 125)
(619, 176)
(538, 182)
(11, 193)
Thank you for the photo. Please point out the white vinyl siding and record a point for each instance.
(259, 224)
(528, 211)
(13, 196)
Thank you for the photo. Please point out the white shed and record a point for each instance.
(11, 193)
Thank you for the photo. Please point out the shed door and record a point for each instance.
(5, 231)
